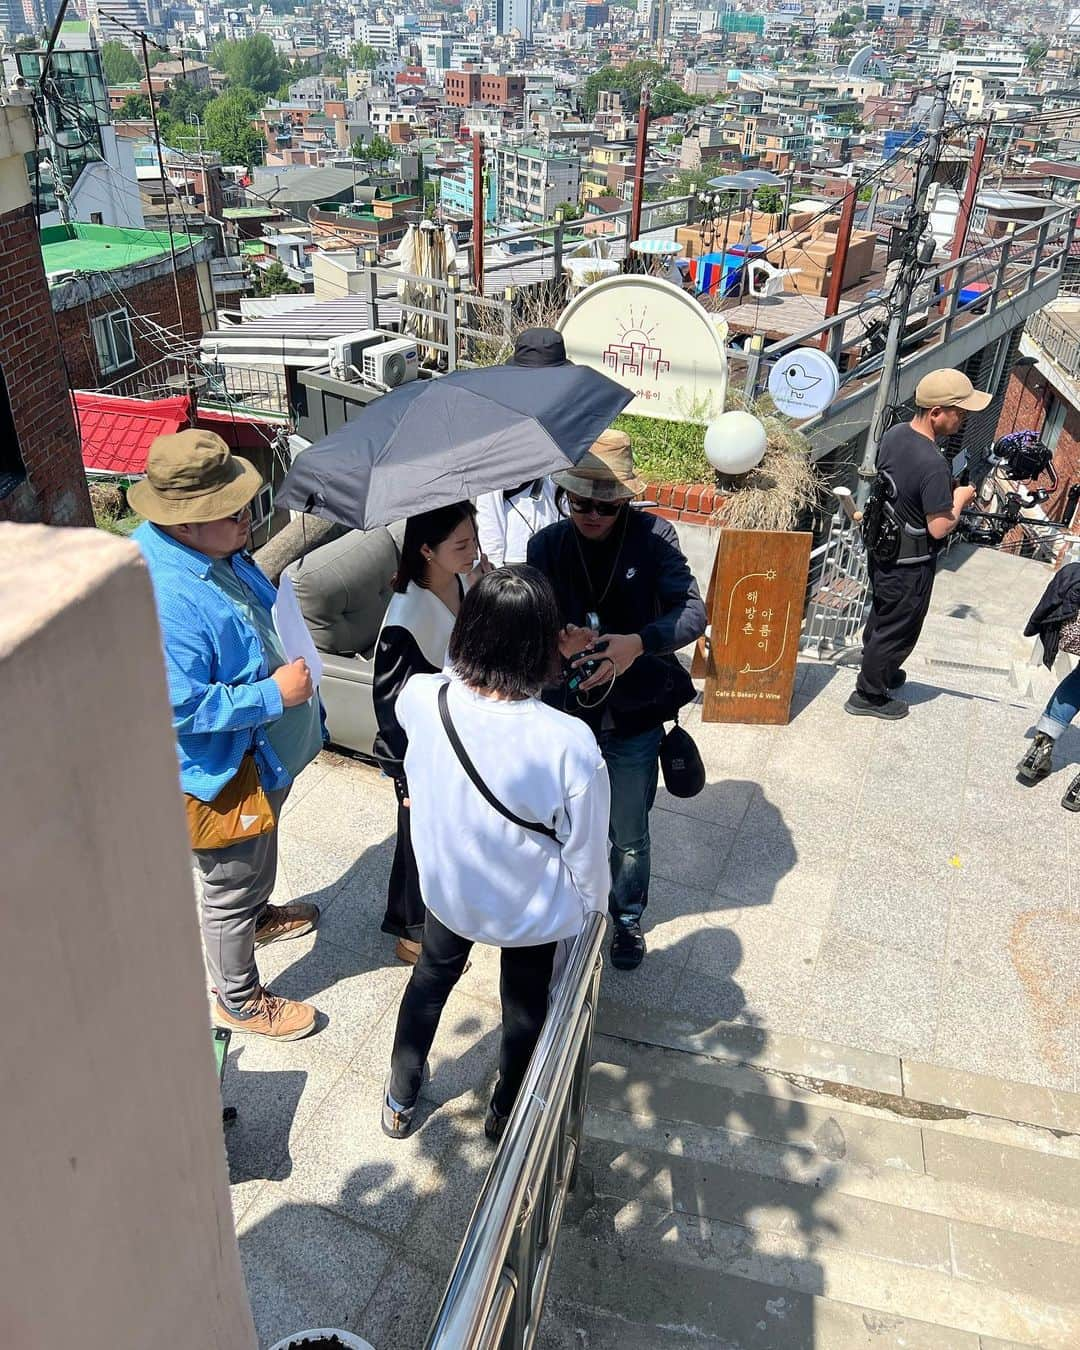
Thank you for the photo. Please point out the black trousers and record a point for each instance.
(901, 599)
(404, 903)
(523, 987)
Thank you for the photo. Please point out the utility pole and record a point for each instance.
(843, 242)
(967, 204)
(164, 187)
(639, 165)
(901, 293)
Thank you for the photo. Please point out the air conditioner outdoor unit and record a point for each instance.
(391, 363)
(346, 354)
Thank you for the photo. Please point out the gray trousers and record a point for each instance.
(236, 884)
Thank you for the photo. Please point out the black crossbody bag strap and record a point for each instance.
(477, 781)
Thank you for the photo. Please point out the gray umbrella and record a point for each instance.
(440, 441)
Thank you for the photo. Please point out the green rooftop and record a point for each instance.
(103, 248)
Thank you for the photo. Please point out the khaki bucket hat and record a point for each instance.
(192, 477)
(605, 472)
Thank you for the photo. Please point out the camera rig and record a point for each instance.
(1025, 459)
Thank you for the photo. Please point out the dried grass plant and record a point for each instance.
(783, 487)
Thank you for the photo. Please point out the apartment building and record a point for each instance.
(533, 181)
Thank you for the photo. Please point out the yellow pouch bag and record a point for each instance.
(239, 812)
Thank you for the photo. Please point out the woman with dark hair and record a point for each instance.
(438, 556)
(517, 864)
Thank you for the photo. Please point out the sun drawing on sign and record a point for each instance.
(636, 352)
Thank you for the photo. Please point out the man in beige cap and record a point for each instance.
(622, 584)
(919, 507)
(247, 720)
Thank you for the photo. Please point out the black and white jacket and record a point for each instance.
(412, 641)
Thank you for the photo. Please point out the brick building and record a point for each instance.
(114, 299)
(502, 90)
(463, 88)
(41, 470)
(1046, 398)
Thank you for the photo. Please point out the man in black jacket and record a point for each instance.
(624, 586)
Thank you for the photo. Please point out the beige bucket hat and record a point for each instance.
(605, 472)
(192, 477)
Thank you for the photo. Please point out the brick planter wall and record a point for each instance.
(688, 503)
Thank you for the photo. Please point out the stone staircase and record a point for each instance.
(769, 1193)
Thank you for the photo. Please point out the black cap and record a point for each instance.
(539, 347)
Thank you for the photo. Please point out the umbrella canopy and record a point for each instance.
(439, 441)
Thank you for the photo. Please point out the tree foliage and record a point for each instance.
(252, 63)
(227, 127)
(379, 149)
(179, 108)
(135, 105)
(627, 80)
(1035, 53)
(119, 64)
(274, 280)
(681, 184)
(363, 57)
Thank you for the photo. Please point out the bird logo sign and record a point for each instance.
(804, 382)
(799, 380)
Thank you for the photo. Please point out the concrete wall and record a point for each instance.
(117, 1232)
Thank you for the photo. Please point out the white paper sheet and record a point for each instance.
(293, 631)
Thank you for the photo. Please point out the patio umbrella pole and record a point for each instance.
(478, 211)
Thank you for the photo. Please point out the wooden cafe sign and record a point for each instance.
(755, 606)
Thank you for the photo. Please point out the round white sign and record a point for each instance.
(804, 382)
(654, 338)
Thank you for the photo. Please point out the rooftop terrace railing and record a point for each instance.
(1058, 338)
(216, 386)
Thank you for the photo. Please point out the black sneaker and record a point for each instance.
(1038, 762)
(397, 1124)
(494, 1124)
(897, 680)
(891, 709)
(1071, 800)
(627, 945)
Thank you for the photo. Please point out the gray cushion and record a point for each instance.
(344, 589)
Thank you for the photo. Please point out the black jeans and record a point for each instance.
(526, 975)
(404, 903)
(901, 599)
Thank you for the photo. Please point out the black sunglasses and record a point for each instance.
(587, 506)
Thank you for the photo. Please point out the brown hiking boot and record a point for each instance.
(279, 1019)
(408, 951)
(278, 922)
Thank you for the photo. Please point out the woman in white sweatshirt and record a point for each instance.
(518, 865)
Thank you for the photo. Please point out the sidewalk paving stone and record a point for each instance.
(879, 906)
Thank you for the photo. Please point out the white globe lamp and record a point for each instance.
(735, 443)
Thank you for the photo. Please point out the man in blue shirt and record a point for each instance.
(234, 695)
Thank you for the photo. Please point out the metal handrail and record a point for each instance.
(496, 1291)
(1007, 244)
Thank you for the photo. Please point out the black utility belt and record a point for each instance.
(914, 544)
